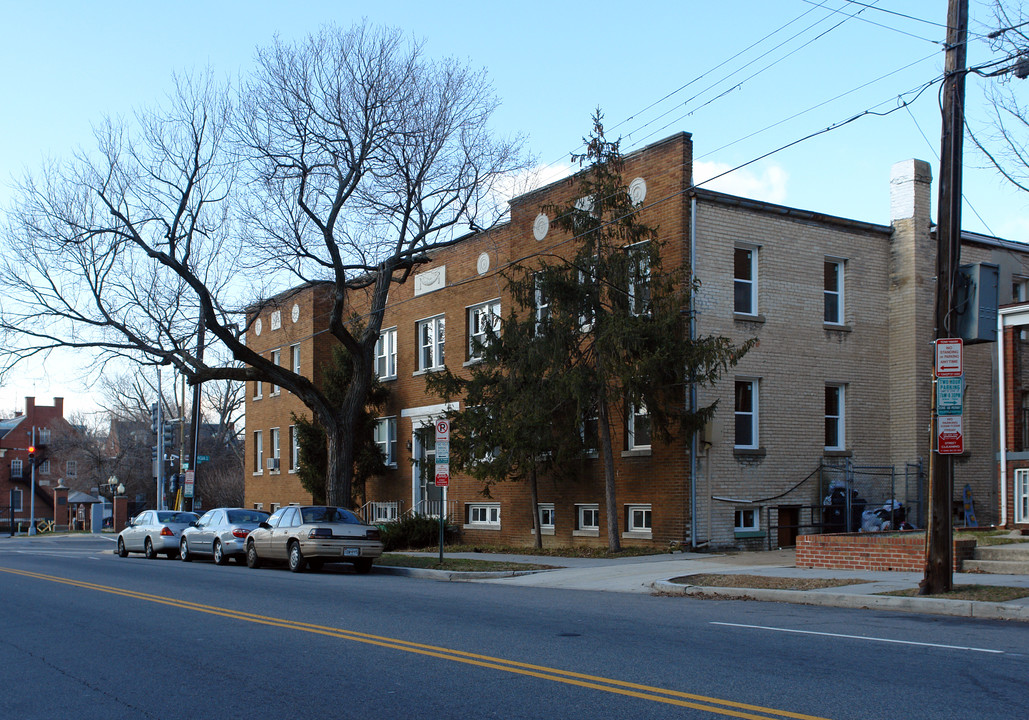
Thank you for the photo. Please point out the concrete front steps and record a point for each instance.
(999, 559)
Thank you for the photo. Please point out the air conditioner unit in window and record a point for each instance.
(273, 463)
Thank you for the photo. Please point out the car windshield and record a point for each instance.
(328, 515)
(176, 517)
(247, 516)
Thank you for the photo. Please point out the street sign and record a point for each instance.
(203, 458)
(949, 435)
(948, 357)
(442, 430)
(949, 395)
(442, 475)
(188, 487)
(442, 452)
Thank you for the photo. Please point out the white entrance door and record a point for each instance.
(425, 496)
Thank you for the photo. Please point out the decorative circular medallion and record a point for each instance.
(257, 326)
(638, 190)
(483, 264)
(295, 314)
(541, 227)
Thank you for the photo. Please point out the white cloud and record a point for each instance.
(768, 185)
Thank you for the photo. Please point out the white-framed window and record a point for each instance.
(386, 354)
(835, 429)
(71, 468)
(639, 278)
(587, 520)
(746, 414)
(294, 358)
(44, 467)
(747, 520)
(484, 515)
(1019, 288)
(591, 429)
(745, 280)
(258, 506)
(294, 448)
(542, 302)
(833, 291)
(16, 500)
(431, 337)
(1022, 495)
(483, 322)
(638, 519)
(546, 517)
(385, 436)
(258, 452)
(258, 389)
(273, 442)
(276, 358)
(16, 468)
(638, 430)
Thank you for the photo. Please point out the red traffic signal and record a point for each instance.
(32, 451)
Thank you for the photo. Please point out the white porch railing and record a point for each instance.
(431, 508)
(379, 512)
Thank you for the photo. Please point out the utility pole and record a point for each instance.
(939, 538)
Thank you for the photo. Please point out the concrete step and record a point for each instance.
(1018, 552)
(996, 567)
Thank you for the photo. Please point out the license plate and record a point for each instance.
(351, 552)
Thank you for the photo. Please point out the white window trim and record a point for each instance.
(294, 449)
(258, 452)
(294, 358)
(755, 413)
(276, 359)
(1021, 495)
(20, 465)
(44, 467)
(546, 528)
(274, 443)
(631, 428)
(841, 419)
(589, 531)
(258, 389)
(438, 346)
(633, 286)
(744, 527)
(841, 266)
(754, 251)
(633, 531)
(20, 506)
(489, 523)
(492, 310)
(386, 353)
(389, 445)
(541, 303)
(71, 468)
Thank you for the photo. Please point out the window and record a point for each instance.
(591, 429)
(747, 520)
(258, 452)
(259, 506)
(639, 279)
(745, 281)
(587, 517)
(385, 436)
(1022, 495)
(44, 467)
(834, 292)
(386, 354)
(546, 517)
(638, 519)
(294, 354)
(638, 434)
(431, 336)
(542, 302)
(16, 468)
(294, 448)
(484, 514)
(835, 438)
(16, 500)
(746, 414)
(483, 324)
(258, 389)
(1019, 288)
(273, 441)
(276, 358)
(71, 468)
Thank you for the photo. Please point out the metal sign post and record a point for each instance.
(442, 475)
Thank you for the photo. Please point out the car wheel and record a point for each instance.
(148, 549)
(122, 552)
(296, 558)
(219, 556)
(253, 561)
(363, 566)
(184, 551)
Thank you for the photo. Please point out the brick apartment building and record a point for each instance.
(838, 385)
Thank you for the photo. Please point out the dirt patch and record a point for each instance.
(761, 582)
(979, 593)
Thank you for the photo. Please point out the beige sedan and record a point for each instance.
(309, 536)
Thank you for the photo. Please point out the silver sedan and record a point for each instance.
(154, 532)
(308, 536)
(220, 534)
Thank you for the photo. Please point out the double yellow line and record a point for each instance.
(618, 687)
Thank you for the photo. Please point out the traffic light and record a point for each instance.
(153, 453)
(169, 434)
(32, 453)
(154, 417)
(173, 484)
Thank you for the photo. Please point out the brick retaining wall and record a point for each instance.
(872, 551)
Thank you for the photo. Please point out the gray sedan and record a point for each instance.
(153, 532)
(308, 536)
(220, 534)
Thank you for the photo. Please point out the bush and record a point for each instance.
(416, 531)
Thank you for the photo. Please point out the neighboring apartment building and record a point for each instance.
(838, 386)
(43, 424)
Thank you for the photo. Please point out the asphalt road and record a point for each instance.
(85, 634)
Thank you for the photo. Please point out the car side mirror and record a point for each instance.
(265, 525)
(195, 523)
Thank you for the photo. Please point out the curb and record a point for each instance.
(931, 606)
(450, 575)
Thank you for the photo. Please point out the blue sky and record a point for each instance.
(745, 77)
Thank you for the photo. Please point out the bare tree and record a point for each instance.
(361, 156)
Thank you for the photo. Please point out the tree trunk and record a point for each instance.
(610, 502)
(534, 493)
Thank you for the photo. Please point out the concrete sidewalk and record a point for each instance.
(652, 574)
